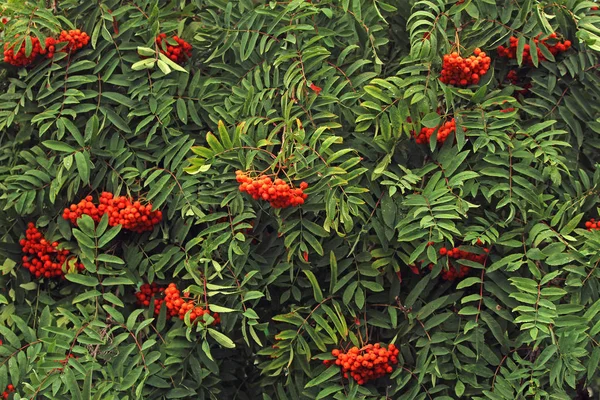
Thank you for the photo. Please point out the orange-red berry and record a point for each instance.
(511, 51)
(277, 192)
(459, 71)
(177, 52)
(41, 257)
(365, 364)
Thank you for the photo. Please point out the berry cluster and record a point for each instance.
(147, 291)
(73, 40)
(278, 193)
(9, 389)
(121, 210)
(366, 364)
(444, 131)
(556, 48)
(42, 258)
(19, 59)
(176, 52)
(178, 306)
(458, 71)
(460, 271)
(592, 225)
(86, 207)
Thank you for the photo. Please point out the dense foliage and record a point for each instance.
(387, 235)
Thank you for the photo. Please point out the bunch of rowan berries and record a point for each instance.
(86, 207)
(121, 210)
(177, 305)
(365, 364)
(74, 40)
(460, 271)
(556, 48)
(592, 225)
(277, 192)
(178, 51)
(9, 389)
(445, 130)
(132, 215)
(20, 59)
(42, 258)
(145, 294)
(458, 71)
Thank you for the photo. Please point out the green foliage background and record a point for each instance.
(524, 325)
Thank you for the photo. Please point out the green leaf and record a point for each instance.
(82, 167)
(164, 67)
(119, 99)
(109, 259)
(108, 236)
(252, 295)
(318, 294)
(323, 377)
(222, 339)
(182, 110)
(459, 388)
(84, 280)
(117, 280)
(592, 365)
(143, 64)
(89, 294)
(58, 146)
(468, 282)
(171, 63)
(221, 309)
(431, 120)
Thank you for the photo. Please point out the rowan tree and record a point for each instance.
(206, 199)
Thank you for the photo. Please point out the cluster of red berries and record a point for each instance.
(592, 225)
(365, 364)
(9, 389)
(147, 291)
(74, 39)
(460, 271)
(444, 131)
(278, 193)
(19, 59)
(121, 210)
(84, 207)
(176, 52)
(42, 258)
(511, 50)
(178, 306)
(458, 71)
